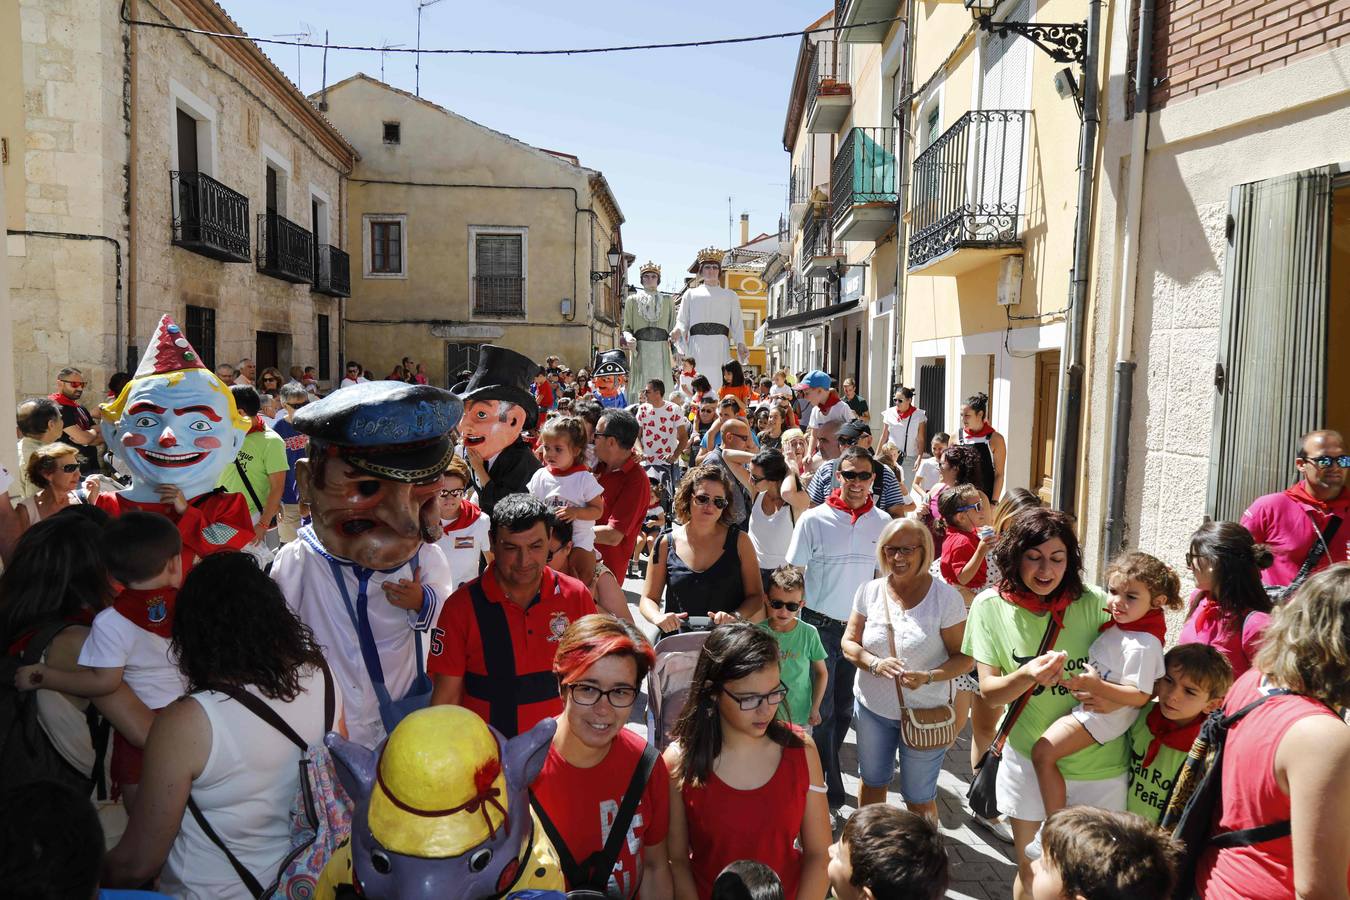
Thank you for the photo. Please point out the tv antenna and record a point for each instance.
(307, 35)
(385, 47)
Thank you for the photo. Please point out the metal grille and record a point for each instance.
(285, 250)
(864, 171)
(211, 218)
(332, 274)
(499, 275)
(325, 352)
(1272, 366)
(200, 329)
(932, 396)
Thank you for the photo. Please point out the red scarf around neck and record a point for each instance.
(836, 501)
(468, 514)
(255, 425)
(1338, 507)
(1035, 603)
(830, 401)
(1167, 733)
(570, 470)
(907, 413)
(987, 430)
(1152, 622)
(66, 401)
(151, 610)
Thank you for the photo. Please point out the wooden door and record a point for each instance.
(1043, 428)
(268, 352)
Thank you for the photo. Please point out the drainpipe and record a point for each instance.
(1123, 393)
(902, 202)
(1071, 379)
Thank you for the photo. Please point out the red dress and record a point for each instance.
(726, 824)
(1252, 797)
(214, 522)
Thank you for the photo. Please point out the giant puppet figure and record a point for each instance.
(366, 576)
(175, 428)
(648, 318)
(709, 322)
(497, 406)
(610, 376)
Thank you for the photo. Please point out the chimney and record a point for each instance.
(745, 229)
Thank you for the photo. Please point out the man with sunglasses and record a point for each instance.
(294, 398)
(837, 544)
(886, 489)
(1304, 526)
(77, 426)
(735, 437)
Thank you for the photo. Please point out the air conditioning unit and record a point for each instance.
(1010, 281)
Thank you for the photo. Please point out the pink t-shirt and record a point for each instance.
(1290, 529)
(1208, 625)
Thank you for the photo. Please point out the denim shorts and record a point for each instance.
(879, 742)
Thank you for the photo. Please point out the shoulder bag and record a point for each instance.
(1278, 593)
(982, 798)
(921, 729)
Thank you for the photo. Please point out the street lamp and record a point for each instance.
(1065, 42)
(612, 257)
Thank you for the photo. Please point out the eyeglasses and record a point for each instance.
(781, 604)
(735, 434)
(705, 499)
(748, 702)
(968, 507)
(78, 384)
(452, 492)
(1193, 558)
(854, 476)
(891, 551)
(1326, 462)
(620, 697)
(601, 434)
(69, 468)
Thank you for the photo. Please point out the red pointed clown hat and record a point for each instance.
(168, 351)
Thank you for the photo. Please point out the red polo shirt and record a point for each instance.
(627, 496)
(457, 645)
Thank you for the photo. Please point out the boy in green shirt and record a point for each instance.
(801, 655)
(1198, 677)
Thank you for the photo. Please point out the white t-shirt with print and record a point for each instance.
(1129, 658)
(918, 643)
(144, 657)
(660, 430)
(574, 489)
(463, 548)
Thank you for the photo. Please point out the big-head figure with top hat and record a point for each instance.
(709, 323)
(175, 428)
(366, 575)
(497, 406)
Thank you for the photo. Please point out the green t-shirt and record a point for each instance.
(797, 649)
(1150, 786)
(1003, 635)
(262, 455)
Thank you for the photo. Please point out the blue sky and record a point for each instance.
(676, 132)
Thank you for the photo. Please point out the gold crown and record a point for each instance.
(706, 255)
(649, 266)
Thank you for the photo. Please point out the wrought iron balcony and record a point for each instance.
(864, 185)
(820, 251)
(848, 12)
(967, 192)
(332, 271)
(208, 217)
(829, 96)
(285, 250)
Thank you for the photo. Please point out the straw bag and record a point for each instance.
(922, 729)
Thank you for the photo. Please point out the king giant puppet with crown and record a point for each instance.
(709, 321)
(175, 428)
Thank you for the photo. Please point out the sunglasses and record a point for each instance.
(967, 508)
(552, 553)
(756, 479)
(1326, 462)
(452, 492)
(705, 499)
(855, 476)
(1192, 558)
(297, 405)
(847, 442)
(78, 384)
(748, 702)
(70, 468)
(785, 604)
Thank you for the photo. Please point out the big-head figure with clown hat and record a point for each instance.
(175, 428)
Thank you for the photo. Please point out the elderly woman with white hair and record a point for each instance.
(905, 634)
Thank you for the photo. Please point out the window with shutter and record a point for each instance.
(499, 274)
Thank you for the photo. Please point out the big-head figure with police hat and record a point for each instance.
(497, 406)
(610, 376)
(366, 575)
(175, 428)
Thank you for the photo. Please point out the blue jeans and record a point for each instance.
(836, 708)
(878, 742)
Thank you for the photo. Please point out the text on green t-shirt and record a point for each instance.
(1150, 786)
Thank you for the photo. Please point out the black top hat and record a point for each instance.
(502, 374)
(610, 362)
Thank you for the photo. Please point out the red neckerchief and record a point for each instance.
(84, 617)
(907, 413)
(63, 399)
(570, 470)
(830, 401)
(255, 425)
(1152, 622)
(836, 501)
(1035, 603)
(1167, 733)
(468, 514)
(151, 610)
(1338, 507)
(983, 432)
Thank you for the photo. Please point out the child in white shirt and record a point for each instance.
(566, 485)
(464, 527)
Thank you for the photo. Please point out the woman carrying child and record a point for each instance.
(569, 488)
(745, 784)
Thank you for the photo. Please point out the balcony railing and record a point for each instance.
(968, 186)
(209, 218)
(864, 184)
(799, 185)
(828, 93)
(500, 296)
(819, 248)
(332, 271)
(285, 250)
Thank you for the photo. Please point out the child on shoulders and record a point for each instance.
(801, 655)
(570, 489)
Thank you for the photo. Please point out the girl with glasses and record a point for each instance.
(745, 784)
(1230, 608)
(465, 528)
(704, 566)
(55, 470)
(593, 759)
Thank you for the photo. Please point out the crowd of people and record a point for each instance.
(900, 591)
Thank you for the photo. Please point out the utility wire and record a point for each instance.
(494, 52)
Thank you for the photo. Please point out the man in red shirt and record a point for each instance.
(627, 492)
(493, 645)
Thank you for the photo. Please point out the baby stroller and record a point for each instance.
(671, 676)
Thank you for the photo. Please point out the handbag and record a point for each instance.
(981, 795)
(922, 729)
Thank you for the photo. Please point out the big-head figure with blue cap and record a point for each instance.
(175, 428)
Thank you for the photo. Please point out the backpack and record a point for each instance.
(1197, 799)
(27, 754)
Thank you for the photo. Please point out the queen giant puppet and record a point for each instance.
(709, 321)
(175, 428)
(648, 319)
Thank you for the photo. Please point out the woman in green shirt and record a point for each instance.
(1042, 581)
